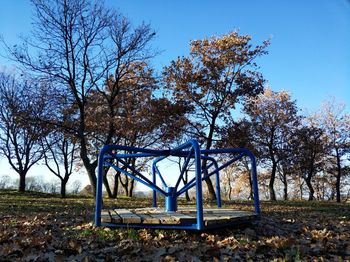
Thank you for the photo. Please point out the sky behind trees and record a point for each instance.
(309, 55)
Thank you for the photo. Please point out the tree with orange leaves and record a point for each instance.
(218, 73)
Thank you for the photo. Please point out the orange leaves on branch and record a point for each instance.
(217, 72)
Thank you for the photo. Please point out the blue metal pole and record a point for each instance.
(198, 173)
(177, 150)
(170, 200)
(132, 155)
(218, 193)
(139, 150)
(154, 191)
(98, 206)
(255, 183)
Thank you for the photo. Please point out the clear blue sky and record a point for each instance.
(310, 40)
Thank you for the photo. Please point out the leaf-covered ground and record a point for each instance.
(38, 227)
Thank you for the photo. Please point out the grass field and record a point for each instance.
(42, 227)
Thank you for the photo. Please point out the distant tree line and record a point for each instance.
(85, 80)
(39, 184)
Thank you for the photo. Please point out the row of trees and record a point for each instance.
(290, 146)
(87, 81)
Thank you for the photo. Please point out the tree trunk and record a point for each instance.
(301, 190)
(131, 187)
(185, 180)
(285, 184)
(187, 196)
(318, 191)
(124, 185)
(22, 182)
(337, 183)
(211, 190)
(116, 185)
(311, 189)
(285, 189)
(63, 187)
(106, 184)
(126, 191)
(89, 166)
(272, 181)
(131, 182)
(251, 195)
(92, 177)
(230, 193)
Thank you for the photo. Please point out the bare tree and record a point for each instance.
(336, 124)
(59, 156)
(76, 186)
(5, 182)
(20, 139)
(77, 45)
(310, 153)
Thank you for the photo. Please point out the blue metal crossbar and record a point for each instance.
(111, 155)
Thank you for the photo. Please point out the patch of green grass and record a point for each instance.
(86, 233)
(133, 234)
(26, 194)
(104, 234)
(16, 203)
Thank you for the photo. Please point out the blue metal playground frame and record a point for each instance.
(188, 151)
